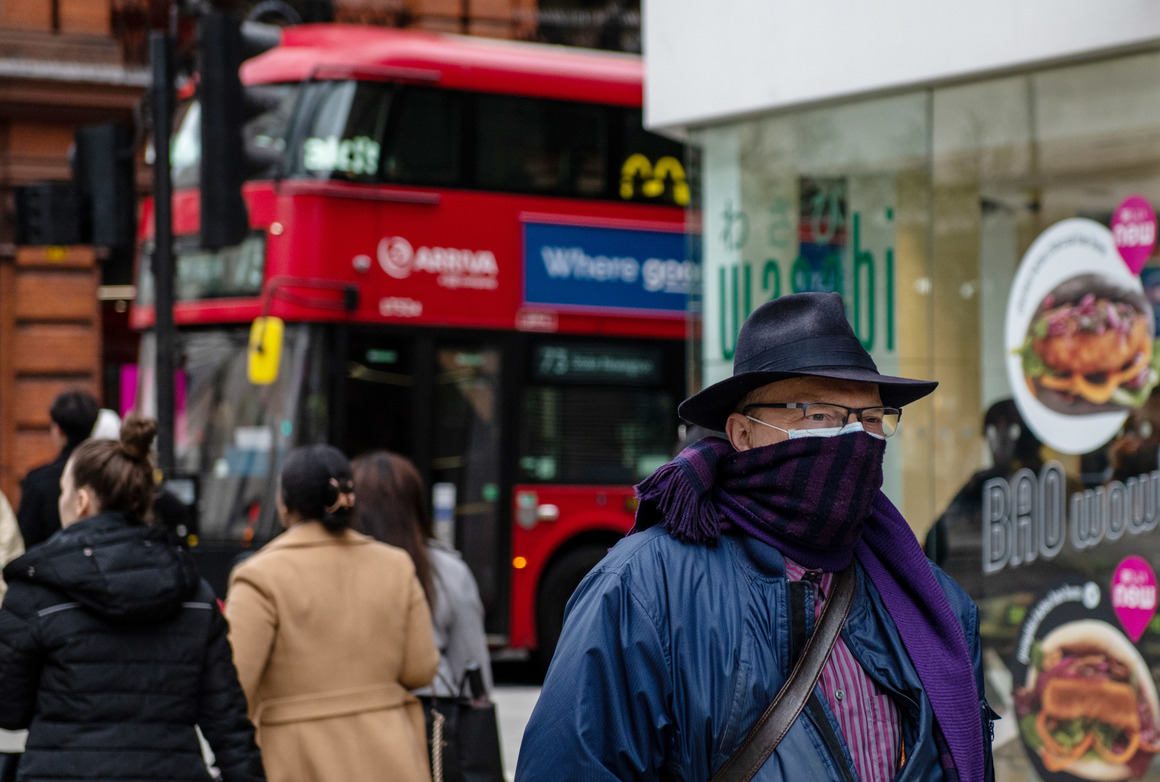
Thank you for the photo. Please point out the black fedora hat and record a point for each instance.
(800, 335)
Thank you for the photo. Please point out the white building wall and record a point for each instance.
(710, 61)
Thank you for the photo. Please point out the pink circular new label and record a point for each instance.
(1134, 231)
(1134, 595)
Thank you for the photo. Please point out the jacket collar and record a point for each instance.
(121, 569)
(307, 534)
(760, 558)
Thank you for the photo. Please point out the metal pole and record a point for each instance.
(161, 56)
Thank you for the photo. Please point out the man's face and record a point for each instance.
(745, 434)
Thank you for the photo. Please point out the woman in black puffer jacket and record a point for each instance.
(111, 647)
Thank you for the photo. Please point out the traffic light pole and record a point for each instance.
(161, 56)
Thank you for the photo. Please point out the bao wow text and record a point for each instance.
(1029, 516)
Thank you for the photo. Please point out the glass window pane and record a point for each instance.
(342, 135)
(231, 272)
(381, 373)
(234, 435)
(596, 414)
(425, 145)
(594, 435)
(466, 443)
(537, 146)
(1014, 157)
(512, 149)
(582, 135)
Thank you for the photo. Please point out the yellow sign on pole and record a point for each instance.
(265, 351)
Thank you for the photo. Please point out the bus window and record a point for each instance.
(425, 141)
(466, 452)
(595, 414)
(341, 137)
(594, 435)
(232, 434)
(381, 375)
(371, 132)
(537, 146)
(229, 272)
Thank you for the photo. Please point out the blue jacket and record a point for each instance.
(670, 653)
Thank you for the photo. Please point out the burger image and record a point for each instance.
(1089, 347)
(1089, 707)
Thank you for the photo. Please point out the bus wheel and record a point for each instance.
(556, 587)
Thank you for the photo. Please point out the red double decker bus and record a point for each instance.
(478, 255)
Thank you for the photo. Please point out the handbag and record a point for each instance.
(463, 735)
(772, 726)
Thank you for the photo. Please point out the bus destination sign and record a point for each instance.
(585, 267)
(596, 364)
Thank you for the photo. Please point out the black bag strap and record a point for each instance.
(771, 728)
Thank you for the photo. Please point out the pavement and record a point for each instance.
(513, 707)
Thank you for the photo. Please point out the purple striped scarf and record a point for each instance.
(818, 500)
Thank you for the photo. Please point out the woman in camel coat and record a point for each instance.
(330, 630)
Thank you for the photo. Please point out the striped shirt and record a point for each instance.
(867, 716)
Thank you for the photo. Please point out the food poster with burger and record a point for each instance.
(1057, 539)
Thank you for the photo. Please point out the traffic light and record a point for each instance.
(47, 213)
(318, 11)
(224, 44)
(103, 174)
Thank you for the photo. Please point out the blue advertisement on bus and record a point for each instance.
(585, 267)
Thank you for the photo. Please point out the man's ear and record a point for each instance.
(737, 429)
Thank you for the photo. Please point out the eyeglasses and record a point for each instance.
(823, 415)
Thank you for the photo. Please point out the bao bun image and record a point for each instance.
(1089, 707)
(1089, 347)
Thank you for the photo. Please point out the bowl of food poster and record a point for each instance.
(1087, 708)
(1089, 347)
(1079, 336)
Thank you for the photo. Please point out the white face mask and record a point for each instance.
(830, 431)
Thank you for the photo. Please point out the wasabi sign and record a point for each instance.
(812, 242)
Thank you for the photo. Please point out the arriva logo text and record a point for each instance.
(454, 268)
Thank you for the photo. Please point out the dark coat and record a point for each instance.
(39, 514)
(671, 652)
(111, 651)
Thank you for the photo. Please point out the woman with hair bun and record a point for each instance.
(330, 631)
(112, 649)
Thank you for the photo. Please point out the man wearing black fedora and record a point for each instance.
(678, 641)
